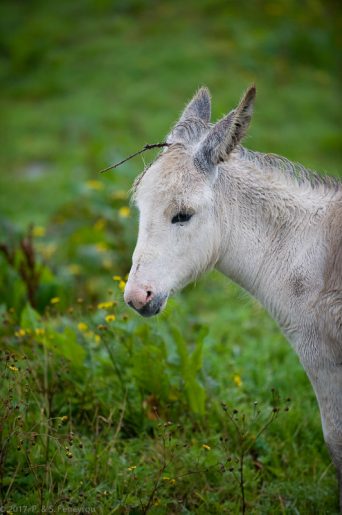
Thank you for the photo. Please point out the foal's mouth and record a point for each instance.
(153, 307)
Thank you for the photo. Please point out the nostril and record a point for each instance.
(148, 294)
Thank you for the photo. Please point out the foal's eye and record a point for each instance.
(181, 218)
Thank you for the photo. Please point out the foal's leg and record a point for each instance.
(326, 380)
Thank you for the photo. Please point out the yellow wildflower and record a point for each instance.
(74, 269)
(172, 481)
(64, 418)
(20, 333)
(110, 318)
(81, 326)
(119, 195)
(173, 396)
(100, 224)
(116, 277)
(13, 368)
(166, 478)
(107, 263)
(97, 339)
(124, 212)
(237, 380)
(55, 300)
(122, 285)
(39, 331)
(95, 185)
(38, 231)
(105, 305)
(48, 250)
(206, 447)
(133, 467)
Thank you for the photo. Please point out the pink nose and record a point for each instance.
(137, 296)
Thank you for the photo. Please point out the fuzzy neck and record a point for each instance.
(269, 232)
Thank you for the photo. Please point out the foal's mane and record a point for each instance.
(295, 171)
(298, 173)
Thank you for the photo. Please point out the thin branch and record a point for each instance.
(146, 147)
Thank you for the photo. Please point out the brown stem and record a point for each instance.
(7, 253)
(146, 147)
(242, 484)
(155, 488)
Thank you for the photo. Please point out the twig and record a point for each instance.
(48, 410)
(155, 488)
(242, 483)
(146, 147)
(119, 425)
(11, 483)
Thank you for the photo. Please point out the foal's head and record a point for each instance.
(178, 231)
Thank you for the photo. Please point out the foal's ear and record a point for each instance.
(226, 134)
(198, 107)
(193, 119)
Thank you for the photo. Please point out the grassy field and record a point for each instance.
(205, 409)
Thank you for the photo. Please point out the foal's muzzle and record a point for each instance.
(144, 299)
(152, 307)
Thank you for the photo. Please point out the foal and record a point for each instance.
(272, 226)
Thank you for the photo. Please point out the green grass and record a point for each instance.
(84, 84)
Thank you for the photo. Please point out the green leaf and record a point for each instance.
(29, 319)
(196, 396)
(66, 345)
(189, 366)
(196, 358)
(149, 370)
(181, 348)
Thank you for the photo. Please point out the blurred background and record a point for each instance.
(83, 85)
